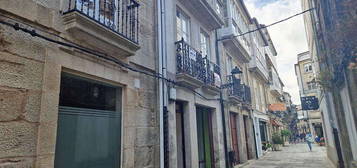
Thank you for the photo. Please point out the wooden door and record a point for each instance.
(234, 133)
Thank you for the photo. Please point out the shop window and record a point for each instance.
(89, 124)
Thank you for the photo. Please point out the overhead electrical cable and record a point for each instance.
(33, 33)
(272, 24)
(70, 44)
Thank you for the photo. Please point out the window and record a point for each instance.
(204, 38)
(311, 85)
(257, 94)
(308, 67)
(262, 98)
(229, 65)
(218, 7)
(89, 124)
(182, 27)
(235, 28)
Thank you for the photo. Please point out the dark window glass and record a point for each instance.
(82, 93)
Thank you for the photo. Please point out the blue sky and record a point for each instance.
(288, 37)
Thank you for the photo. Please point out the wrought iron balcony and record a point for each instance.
(193, 68)
(239, 92)
(105, 22)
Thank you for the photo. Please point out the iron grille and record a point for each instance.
(120, 16)
(191, 62)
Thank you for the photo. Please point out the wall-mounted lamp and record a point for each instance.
(236, 72)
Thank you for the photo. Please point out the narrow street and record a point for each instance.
(293, 156)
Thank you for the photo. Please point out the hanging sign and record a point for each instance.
(309, 103)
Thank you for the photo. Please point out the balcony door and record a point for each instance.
(182, 27)
(89, 124)
(205, 138)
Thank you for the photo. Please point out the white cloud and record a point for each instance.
(288, 37)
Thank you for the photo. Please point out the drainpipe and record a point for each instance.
(222, 109)
(162, 85)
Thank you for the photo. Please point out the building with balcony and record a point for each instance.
(258, 77)
(67, 99)
(235, 55)
(308, 86)
(193, 106)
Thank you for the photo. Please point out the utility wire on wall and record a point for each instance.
(33, 32)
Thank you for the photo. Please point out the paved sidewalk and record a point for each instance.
(293, 156)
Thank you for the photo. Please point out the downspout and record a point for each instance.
(162, 84)
(222, 109)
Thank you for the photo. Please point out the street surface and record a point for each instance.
(293, 156)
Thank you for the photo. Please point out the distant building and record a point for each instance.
(306, 76)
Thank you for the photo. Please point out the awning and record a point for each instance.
(277, 107)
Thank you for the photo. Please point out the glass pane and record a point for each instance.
(82, 93)
(178, 27)
(89, 124)
(87, 139)
(204, 45)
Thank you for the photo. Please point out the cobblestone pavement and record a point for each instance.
(293, 156)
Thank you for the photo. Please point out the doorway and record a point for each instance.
(245, 121)
(180, 135)
(89, 124)
(234, 133)
(205, 137)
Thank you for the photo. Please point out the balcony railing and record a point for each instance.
(240, 91)
(120, 16)
(191, 62)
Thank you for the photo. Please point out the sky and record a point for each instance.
(288, 37)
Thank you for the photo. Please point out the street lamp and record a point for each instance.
(236, 71)
(236, 74)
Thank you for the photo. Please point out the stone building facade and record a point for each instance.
(79, 83)
(63, 107)
(235, 55)
(331, 28)
(306, 76)
(194, 112)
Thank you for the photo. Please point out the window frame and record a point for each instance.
(308, 68)
(120, 91)
(207, 53)
(229, 64)
(181, 16)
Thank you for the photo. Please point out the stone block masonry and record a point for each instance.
(30, 84)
